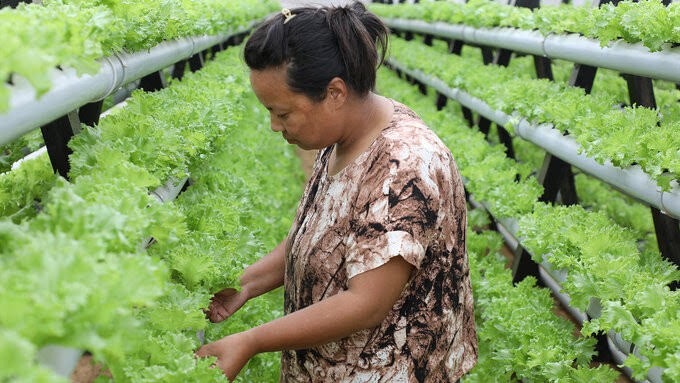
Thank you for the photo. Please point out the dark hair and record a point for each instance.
(318, 44)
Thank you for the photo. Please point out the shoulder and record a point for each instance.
(411, 146)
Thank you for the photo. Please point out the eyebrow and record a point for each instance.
(279, 110)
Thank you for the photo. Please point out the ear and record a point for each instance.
(337, 93)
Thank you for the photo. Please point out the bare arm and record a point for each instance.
(365, 304)
(370, 297)
(266, 274)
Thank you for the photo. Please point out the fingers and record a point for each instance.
(225, 303)
(217, 312)
(204, 351)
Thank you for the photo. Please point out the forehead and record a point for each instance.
(270, 86)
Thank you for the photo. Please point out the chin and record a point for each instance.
(303, 146)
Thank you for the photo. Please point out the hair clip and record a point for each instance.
(287, 14)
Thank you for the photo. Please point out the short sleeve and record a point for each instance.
(397, 209)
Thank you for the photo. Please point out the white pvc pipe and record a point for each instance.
(70, 91)
(482, 108)
(654, 373)
(620, 357)
(513, 39)
(456, 32)
(628, 58)
(42, 150)
(671, 200)
(169, 190)
(61, 360)
(559, 275)
(632, 181)
(621, 56)
(508, 229)
(562, 297)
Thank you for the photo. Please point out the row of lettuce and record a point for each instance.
(76, 33)
(592, 193)
(74, 270)
(649, 22)
(603, 259)
(605, 130)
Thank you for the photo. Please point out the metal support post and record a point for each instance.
(196, 62)
(215, 50)
(556, 177)
(503, 57)
(12, 3)
(178, 69)
(456, 47)
(421, 87)
(668, 238)
(469, 117)
(89, 113)
(543, 66)
(441, 101)
(583, 76)
(484, 124)
(523, 266)
(57, 135)
(487, 55)
(153, 82)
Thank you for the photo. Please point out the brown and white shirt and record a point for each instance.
(402, 197)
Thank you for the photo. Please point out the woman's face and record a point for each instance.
(301, 121)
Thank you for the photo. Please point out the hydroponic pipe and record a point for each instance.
(61, 360)
(632, 181)
(628, 58)
(70, 91)
(169, 190)
(564, 299)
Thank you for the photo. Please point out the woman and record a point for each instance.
(374, 268)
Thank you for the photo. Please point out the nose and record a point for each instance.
(276, 126)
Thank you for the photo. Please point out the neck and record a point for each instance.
(364, 122)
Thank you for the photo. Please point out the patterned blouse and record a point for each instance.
(402, 197)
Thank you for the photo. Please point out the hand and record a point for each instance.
(225, 303)
(232, 352)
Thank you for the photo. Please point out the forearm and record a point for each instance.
(266, 274)
(330, 319)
